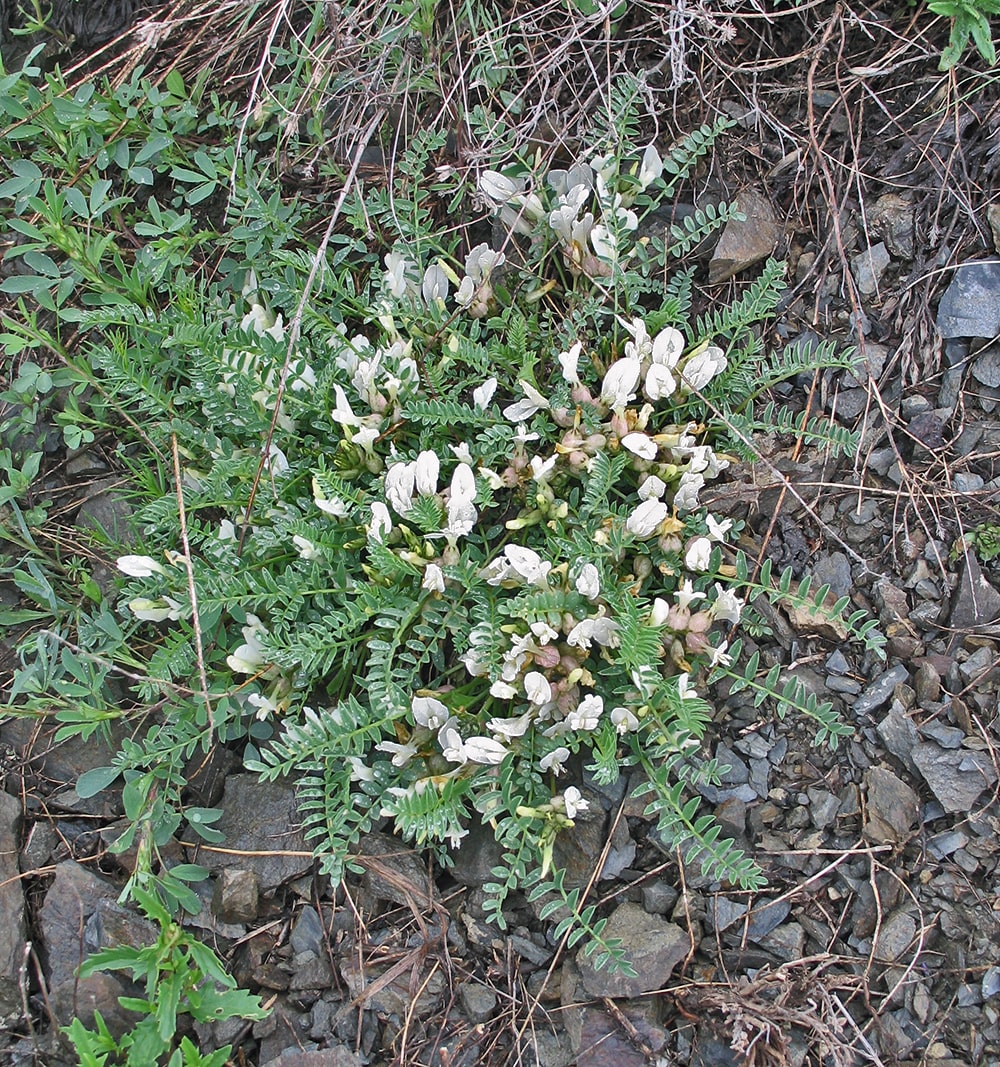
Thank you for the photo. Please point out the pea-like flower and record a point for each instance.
(380, 525)
(522, 410)
(652, 488)
(640, 444)
(554, 761)
(573, 802)
(620, 382)
(483, 394)
(646, 519)
(727, 606)
(686, 496)
(139, 566)
(587, 714)
(699, 554)
(537, 688)
(703, 366)
(625, 721)
(569, 362)
(429, 712)
(588, 582)
(433, 580)
(155, 610)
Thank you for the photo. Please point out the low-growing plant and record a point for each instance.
(970, 21)
(418, 507)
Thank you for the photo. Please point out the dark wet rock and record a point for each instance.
(524, 947)
(653, 946)
(927, 684)
(478, 1001)
(837, 663)
(893, 808)
(849, 403)
(579, 849)
(897, 732)
(892, 602)
(12, 929)
(747, 241)
(712, 1048)
(970, 306)
(236, 896)
(261, 820)
(38, 848)
(766, 916)
(880, 691)
(979, 664)
(955, 776)
(869, 266)
(895, 937)
(478, 855)
(942, 734)
(113, 924)
(108, 511)
(823, 807)
(550, 1050)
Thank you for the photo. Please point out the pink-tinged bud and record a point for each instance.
(578, 460)
(678, 618)
(581, 395)
(696, 642)
(546, 656)
(619, 424)
(563, 417)
(700, 622)
(379, 404)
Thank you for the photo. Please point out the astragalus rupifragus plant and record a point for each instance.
(472, 560)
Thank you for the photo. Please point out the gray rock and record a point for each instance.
(895, 937)
(893, 808)
(621, 853)
(833, 569)
(964, 482)
(823, 807)
(71, 900)
(767, 916)
(942, 734)
(723, 912)
(897, 732)
(978, 664)
(946, 842)
(869, 266)
(108, 512)
(12, 929)
(955, 776)
(745, 242)
(261, 820)
(837, 663)
(849, 403)
(659, 898)
(478, 1001)
(603, 1044)
(528, 950)
(990, 985)
(478, 855)
(393, 871)
(549, 1049)
(653, 946)
(927, 684)
(892, 219)
(738, 773)
(113, 925)
(579, 849)
(880, 691)
(787, 942)
(970, 306)
(893, 603)
(869, 368)
(338, 1056)
(236, 896)
(986, 367)
(308, 934)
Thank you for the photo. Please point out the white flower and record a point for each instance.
(155, 610)
(433, 580)
(343, 413)
(684, 690)
(726, 606)
(554, 760)
(699, 554)
(139, 566)
(686, 496)
(702, 458)
(641, 345)
(402, 754)
(588, 582)
(605, 243)
(640, 444)
(651, 167)
(542, 468)
(502, 690)
(646, 519)
(461, 452)
(429, 712)
(305, 548)
(360, 771)
(381, 522)
(510, 728)
(702, 367)
(482, 261)
(686, 595)
(652, 488)
(587, 714)
(425, 473)
(483, 394)
(249, 658)
(659, 383)
(719, 655)
(435, 285)
(537, 688)
(333, 506)
(227, 531)
(528, 564)
(485, 750)
(461, 512)
(717, 530)
(522, 410)
(569, 361)
(394, 279)
(668, 345)
(573, 802)
(625, 721)
(620, 382)
(498, 187)
(659, 612)
(543, 632)
(600, 629)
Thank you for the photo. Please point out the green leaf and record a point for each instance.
(91, 782)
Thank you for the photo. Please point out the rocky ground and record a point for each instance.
(877, 940)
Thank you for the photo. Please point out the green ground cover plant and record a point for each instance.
(416, 498)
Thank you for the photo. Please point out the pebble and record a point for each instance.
(478, 1001)
(981, 661)
(968, 483)
(943, 734)
(895, 937)
(879, 692)
(899, 735)
(927, 684)
(970, 306)
(659, 898)
(946, 842)
(787, 942)
(869, 266)
(955, 776)
(893, 808)
(837, 663)
(745, 241)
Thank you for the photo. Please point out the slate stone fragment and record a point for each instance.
(955, 776)
(970, 306)
(893, 808)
